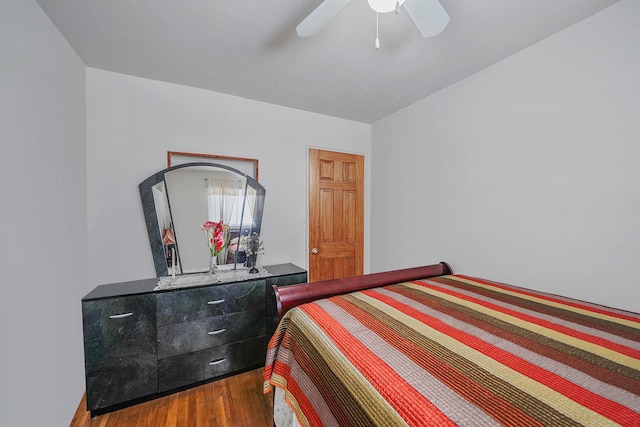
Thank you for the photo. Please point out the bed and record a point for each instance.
(424, 346)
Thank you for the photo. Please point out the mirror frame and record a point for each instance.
(225, 160)
(151, 218)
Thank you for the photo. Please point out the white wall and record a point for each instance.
(133, 122)
(530, 164)
(43, 246)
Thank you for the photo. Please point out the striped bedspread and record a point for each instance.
(457, 351)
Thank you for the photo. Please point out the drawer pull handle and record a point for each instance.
(216, 362)
(120, 316)
(216, 332)
(218, 301)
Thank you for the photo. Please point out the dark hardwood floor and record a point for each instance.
(236, 401)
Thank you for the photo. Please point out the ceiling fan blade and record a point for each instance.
(321, 15)
(428, 15)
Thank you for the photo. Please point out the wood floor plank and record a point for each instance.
(192, 418)
(249, 404)
(182, 408)
(152, 414)
(105, 419)
(235, 415)
(190, 407)
(225, 396)
(209, 405)
(128, 416)
(163, 409)
(200, 409)
(235, 401)
(263, 402)
(221, 405)
(81, 416)
(172, 410)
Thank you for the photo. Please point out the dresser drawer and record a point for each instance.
(190, 368)
(187, 337)
(192, 304)
(120, 349)
(108, 319)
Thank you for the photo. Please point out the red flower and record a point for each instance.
(217, 236)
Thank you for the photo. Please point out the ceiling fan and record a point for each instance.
(428, 15)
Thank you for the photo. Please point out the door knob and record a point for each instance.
(314, 251)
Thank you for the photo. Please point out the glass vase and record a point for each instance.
(213, 265)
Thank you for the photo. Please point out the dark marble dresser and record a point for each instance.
(140, 343)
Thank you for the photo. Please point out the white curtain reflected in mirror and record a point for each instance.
(250, 205)
(226, 200)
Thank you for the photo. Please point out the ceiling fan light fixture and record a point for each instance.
(384, 6)
(428, 15)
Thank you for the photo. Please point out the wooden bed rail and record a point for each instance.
(288, 297)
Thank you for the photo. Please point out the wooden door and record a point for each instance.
(336, 215)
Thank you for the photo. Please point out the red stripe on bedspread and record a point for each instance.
(301, 398)
(410, 405)
(551, 298)
(492, 404)
(540, 322)
(619, 413)
(581, 361)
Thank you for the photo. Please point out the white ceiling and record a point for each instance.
(250, 48)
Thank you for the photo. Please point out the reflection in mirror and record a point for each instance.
(198, 195)
(165, 228)
(178, 200)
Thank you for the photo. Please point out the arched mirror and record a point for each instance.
(178, 200)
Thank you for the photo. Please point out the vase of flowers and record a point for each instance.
(252, 247)
(217, 239)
